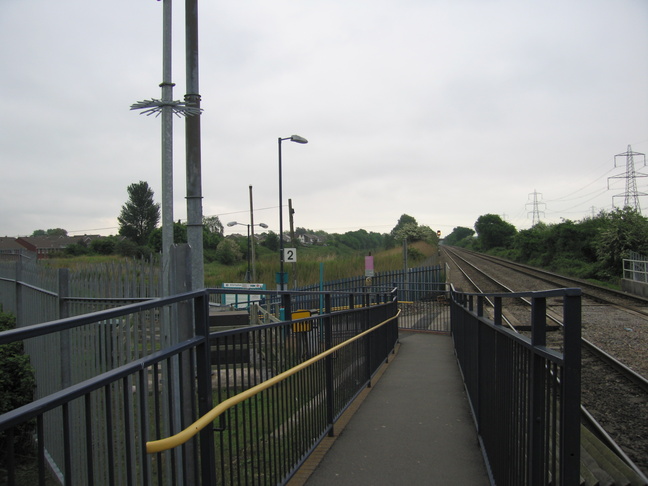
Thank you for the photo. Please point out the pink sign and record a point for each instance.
(369, 266)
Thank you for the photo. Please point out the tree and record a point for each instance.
(494, 232)
(228, 252)
(531, 244)
(459, 233)
(50, 232)
(408, 229)
(404, 222)
(140, 215)
(213, 224)
(76, 249)
(271, 241)
(179, 236)
(212, 232)
(626, 230)
(104, 246)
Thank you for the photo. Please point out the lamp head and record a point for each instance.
(232, 223)
(263, 225)
(298, 139)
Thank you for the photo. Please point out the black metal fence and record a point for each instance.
(428, 308)
(525, 397)
(422, 295)
(96, 430)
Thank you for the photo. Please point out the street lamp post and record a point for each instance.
(298, 139)
(234, 223)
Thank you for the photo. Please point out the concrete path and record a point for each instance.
(413, 428)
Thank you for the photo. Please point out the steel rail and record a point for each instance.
(615, 364)
(601, 354)
(449, 254)
(546, 276)
(183, 436)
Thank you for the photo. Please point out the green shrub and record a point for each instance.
(17, 385)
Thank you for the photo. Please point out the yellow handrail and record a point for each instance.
(186, 434)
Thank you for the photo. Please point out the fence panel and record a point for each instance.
(525, 397)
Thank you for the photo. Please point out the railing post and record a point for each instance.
(367, 347)
(497, 314)
(64, 311)
(205, 397)
(183, 329)
(20, 319)
(537, 410)
(328, 342)
(571, 389)
(285, 302)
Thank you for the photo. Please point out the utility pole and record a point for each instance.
(631, 195)
(167, 107)
(291, 211)
(192, 137)
(535, 211)
(252, 241)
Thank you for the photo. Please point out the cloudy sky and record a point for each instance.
(443, 110)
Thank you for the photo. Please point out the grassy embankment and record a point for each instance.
(338, 264)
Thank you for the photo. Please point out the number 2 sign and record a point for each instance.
(290, 255)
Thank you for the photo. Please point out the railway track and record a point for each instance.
(614, 394)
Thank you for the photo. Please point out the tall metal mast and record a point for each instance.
(631, 195)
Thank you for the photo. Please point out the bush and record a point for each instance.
(76, 249)
(414, 254)
(103, 246)
(228, 252)
(17, 385)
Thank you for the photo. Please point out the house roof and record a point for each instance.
(34, 243)
(10, 243)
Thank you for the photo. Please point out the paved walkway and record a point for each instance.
(413, 427)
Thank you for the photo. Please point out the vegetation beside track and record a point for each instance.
(592, 249)
(338, 263)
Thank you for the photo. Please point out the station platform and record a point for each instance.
(412, 426)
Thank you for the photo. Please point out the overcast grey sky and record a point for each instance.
(443, 110)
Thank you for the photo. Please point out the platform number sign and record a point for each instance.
(290, 255)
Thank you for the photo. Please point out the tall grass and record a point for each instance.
(337, 264)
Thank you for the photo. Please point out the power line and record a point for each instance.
(564, 198)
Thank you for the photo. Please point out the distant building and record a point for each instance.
(306, 239)
(43, 246)
(10, 249)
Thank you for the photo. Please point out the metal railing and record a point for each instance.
(525, 397)
(428, 308)
(95, 430)
(636, 270)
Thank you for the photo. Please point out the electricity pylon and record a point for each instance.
(631, 194)
(535, 207)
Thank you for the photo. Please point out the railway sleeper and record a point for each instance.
(547, 328)
(600, 466)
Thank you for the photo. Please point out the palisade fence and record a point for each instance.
(36, 294)
(41, 291)
(97, 431)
